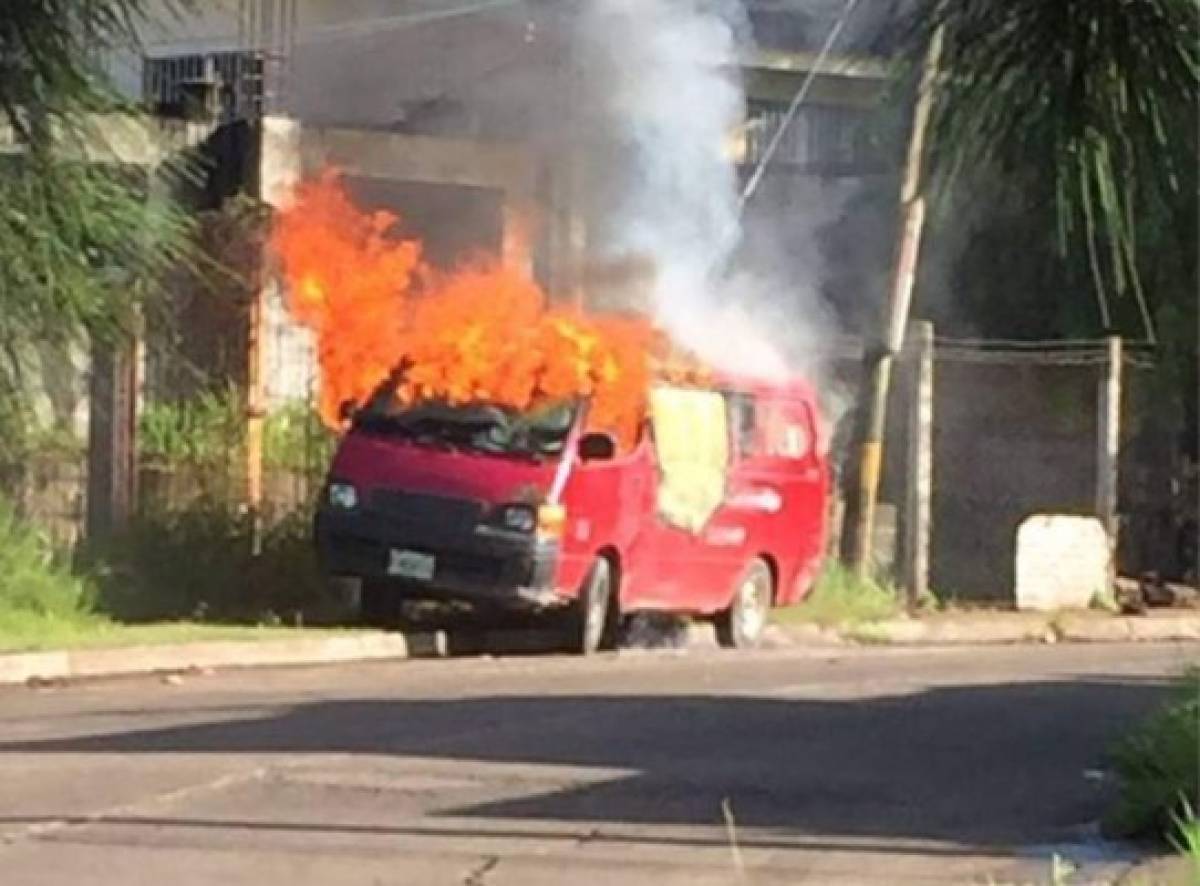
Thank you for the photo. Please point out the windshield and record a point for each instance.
(482, 427)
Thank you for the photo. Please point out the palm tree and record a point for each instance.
(1089, 103)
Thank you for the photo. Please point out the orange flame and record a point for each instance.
(483, 333)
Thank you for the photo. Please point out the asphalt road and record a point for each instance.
(856, 766)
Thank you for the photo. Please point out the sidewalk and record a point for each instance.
(950, 629)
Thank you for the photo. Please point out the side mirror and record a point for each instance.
(597, 446)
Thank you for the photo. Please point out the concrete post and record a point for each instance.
(1109, 442)
(919, 481)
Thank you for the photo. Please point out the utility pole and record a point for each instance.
(877, 364)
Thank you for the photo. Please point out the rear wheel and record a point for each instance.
(595, 616)
(741, 626)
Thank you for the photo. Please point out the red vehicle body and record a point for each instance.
(579, 525)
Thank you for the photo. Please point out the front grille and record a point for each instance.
(432, 512)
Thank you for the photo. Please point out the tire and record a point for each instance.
(378, 605)
(594, 624)
(741, 626)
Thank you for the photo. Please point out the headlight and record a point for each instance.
(343, 496)
(518, 518)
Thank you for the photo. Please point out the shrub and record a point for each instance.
(197, 563)
(1158, 768)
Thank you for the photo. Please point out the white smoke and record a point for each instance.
(668, 97)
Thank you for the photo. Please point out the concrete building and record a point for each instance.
(465, 120)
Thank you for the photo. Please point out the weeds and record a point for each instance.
(1158, 769)
(840, 599)
(1185, 836)
(38, 592)
(206, 429)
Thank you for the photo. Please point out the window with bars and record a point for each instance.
(821, 139)
(225, 85)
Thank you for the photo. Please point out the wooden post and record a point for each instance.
(112, 436)
(919, 498)
(256, 408)
(1108, 441)
(877, 368)
(256, 400)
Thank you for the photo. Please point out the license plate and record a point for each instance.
(410, 564)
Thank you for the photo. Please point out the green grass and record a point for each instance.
(841, 599)
(26, 633)
(178, 578)
(1158, 772)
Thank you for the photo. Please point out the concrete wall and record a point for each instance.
(1009, 441)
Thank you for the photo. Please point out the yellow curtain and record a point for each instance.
(691, 433)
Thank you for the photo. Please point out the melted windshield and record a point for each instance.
(540, 432)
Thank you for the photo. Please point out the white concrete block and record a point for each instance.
(1062, 562)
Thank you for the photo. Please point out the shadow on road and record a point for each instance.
(979, 765)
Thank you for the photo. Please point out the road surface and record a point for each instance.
(846, 766)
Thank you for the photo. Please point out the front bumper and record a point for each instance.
(490, 566)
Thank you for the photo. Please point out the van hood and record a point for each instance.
(372, 461)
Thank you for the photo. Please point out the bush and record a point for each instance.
(1158, 768)
(197, 564)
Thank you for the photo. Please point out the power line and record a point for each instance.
(797, 100)
(361, 27)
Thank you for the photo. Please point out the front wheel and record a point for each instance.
(378, 605)
(741, 626)
(595, 615)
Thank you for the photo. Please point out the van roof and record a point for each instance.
(793, 385)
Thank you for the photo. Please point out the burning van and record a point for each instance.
(715, 508)
(509, 449)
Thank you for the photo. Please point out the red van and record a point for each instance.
(717, 510)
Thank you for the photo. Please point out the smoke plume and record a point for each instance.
(666, 96)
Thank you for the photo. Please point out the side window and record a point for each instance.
(788, 431)
(743, 421)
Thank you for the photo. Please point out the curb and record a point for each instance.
(123, 661)
(993, 629)
(1010, 629)
(129, 660)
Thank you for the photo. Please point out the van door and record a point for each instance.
(692, 452)
(742, 528)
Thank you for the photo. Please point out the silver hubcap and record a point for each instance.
(754, 602)
(597, 609)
